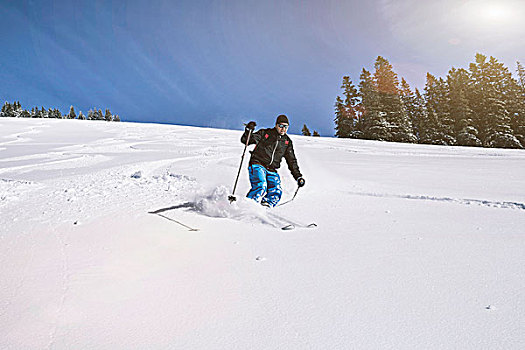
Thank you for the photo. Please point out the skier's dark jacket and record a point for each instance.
(270, 148)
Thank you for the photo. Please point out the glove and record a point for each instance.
(300, 182)
(251, 125)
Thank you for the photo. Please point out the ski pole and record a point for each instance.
(295, 194)
(232, 197)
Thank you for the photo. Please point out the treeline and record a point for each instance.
(15, 111)
(483, 106)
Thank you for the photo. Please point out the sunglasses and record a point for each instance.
(283, 126)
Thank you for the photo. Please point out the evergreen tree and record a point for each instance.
(384, 87)
(517, 105)
(91, 115)
(413, 109)
(340, 116)
(439, 120)
(81, 116)
(371, 121)
(9, 110)
(490, 81)
(437, 127)
(72, 114)
(505, 106)
(465, 132)
(316, 134)
(108, 117)
(37, 113)
(3, 112)
(419, 117)
(116, 118)
(17, 109)
(479, 95)
(305, 131)
(521, 75)
(345, 110)
(396, 126)
(99, 115)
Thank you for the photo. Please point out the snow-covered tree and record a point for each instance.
(51, 113)
(43, 113)
(413, 108)
(465, 132)
(439, 122)
(516, 104)
(437, 127)
(108, 117)
(37, 114)
(99, 115)
(72, 114)
(7, 110)
(521, 75)
(345, 110)
(490, 81)
(17, 109)
(305, 131)
(396, 123)
(371, 121)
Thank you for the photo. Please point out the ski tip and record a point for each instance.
(312, 225)
(288, 227)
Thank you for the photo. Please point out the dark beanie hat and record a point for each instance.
(282, 119)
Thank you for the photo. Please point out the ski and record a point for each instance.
(292, 226)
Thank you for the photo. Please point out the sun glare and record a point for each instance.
(491, 16)
(495, 12)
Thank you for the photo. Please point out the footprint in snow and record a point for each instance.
(260, 258)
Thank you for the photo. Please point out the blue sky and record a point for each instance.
(221, 63)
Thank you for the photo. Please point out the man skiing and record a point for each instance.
(271, 145)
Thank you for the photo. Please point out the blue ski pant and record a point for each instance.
(266, 185)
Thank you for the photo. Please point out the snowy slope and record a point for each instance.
(417, 246)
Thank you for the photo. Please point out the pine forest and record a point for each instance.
(482, 106)
(15, 110)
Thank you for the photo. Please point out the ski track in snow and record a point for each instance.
(19, 137)
(479, 202)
